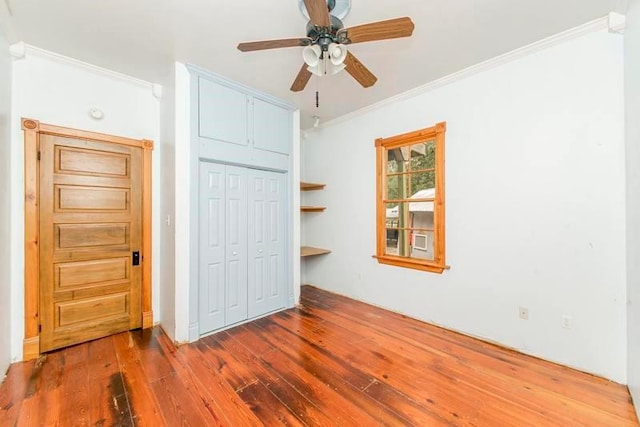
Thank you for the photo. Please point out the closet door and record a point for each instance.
(266, 271)
(236, 245)
(212, 244)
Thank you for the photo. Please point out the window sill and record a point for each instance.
(409, 263)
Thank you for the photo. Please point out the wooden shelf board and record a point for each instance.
(311, 251)
(312, 208)
(309, 186)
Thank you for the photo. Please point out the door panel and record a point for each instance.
(90, 223)
(236, 250)
(75, 275)
(76, 198)
(83, 162)
(71, 313)
(212, 247)
(266, 285)
(73, 236)
(223, 113)
(276, 198)
(271, 127)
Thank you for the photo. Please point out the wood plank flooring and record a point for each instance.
(332, 361)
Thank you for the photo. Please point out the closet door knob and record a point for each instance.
(235, 253)
(260, 250)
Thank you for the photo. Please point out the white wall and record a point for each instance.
(60, 91)
(5, 208)
(535, 193)
(632, 95)
(183, 185)
(167, 185)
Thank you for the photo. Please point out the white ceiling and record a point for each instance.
(142, 38)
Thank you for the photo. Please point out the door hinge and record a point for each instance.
(38, 155)
(39, 328)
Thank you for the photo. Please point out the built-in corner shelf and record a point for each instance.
(311, 251)
(312, 208)
(306, 251)
(310, 186)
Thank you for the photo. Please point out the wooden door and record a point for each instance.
(90, 210)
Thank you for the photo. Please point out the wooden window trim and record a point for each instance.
(32, 131)
(436, 133)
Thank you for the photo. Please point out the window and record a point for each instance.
(410, 205)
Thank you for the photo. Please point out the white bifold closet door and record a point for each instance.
(266, 242)
(242, 244)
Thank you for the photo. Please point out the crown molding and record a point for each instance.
(21, 50)
(617, 22)
(573, 33)
(156, 90)
(17, 51)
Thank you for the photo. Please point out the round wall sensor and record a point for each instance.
(96, 113)
(340, 10)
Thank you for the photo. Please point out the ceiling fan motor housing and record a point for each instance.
(324, 36)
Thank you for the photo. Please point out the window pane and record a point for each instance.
(394, 160)
(392, 241)
(423, 185)
(422, 245)
(394, 187)
(397, 215)
(398, 243)
(423, 155)
(392, 220)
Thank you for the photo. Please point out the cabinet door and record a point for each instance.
(267, 281)
(211, 274)
(272, 128)
(236, 245)
(222, 113)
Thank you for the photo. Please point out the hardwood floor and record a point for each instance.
(333, 361)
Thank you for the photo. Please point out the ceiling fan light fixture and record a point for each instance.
(337, 53)
(312, 55)
(317, 69)
(334, 69)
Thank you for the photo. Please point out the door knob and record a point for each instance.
(260, 250)
(235, 253)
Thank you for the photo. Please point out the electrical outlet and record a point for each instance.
(567, 321)
(524, 313)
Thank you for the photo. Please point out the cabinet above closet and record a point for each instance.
(239, 125)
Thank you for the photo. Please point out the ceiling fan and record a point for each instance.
(327, 38)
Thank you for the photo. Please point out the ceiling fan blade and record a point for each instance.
(318, 12)
(273, 44)
(359, 71)
(391, 29)
(301, 79)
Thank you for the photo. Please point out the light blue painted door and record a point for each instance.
(211, 273)
(236, 245)
(266, 245)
